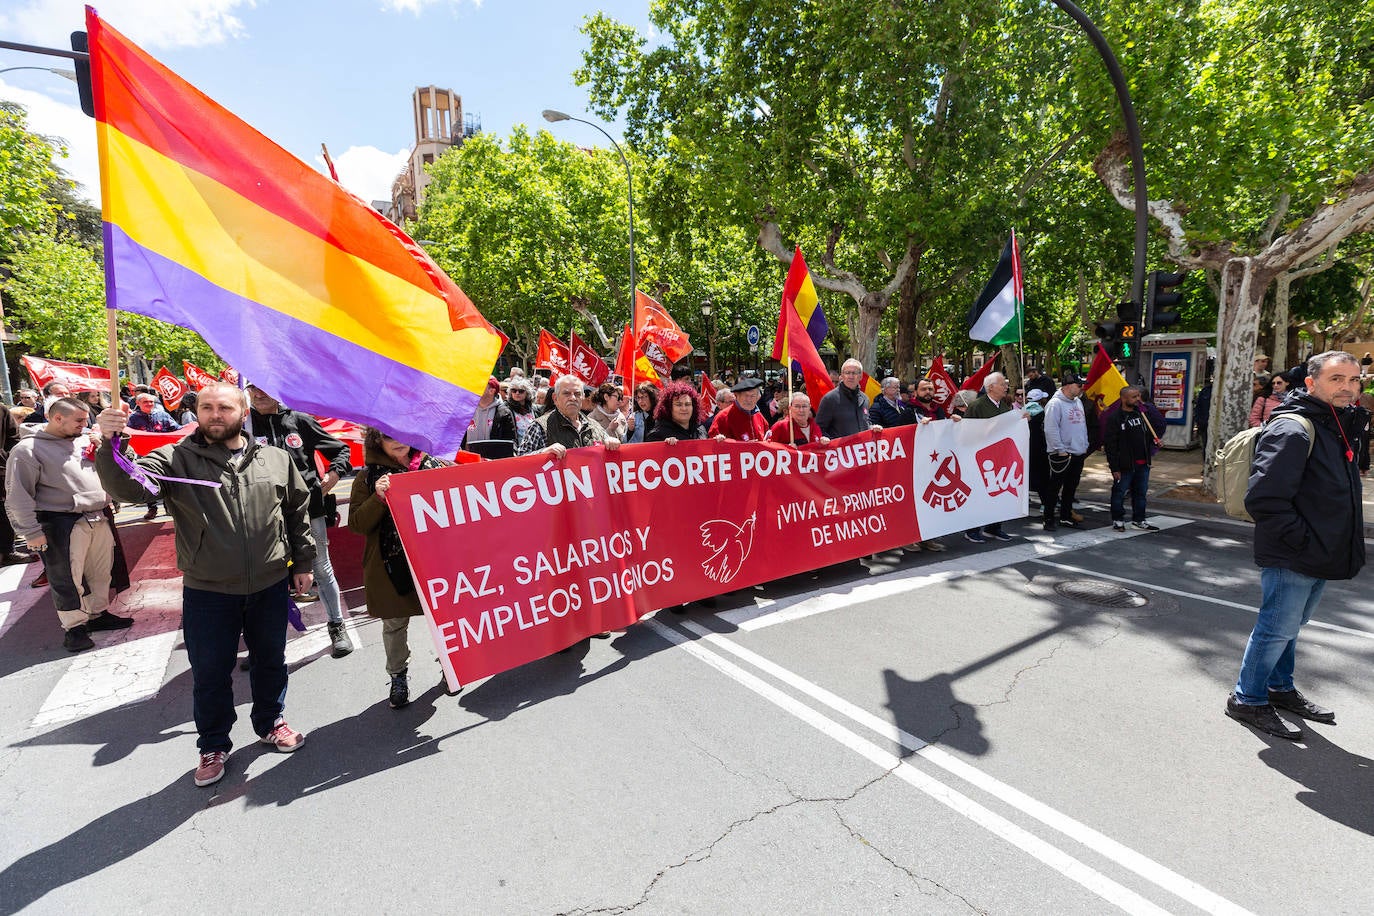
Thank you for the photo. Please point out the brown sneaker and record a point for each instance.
(282, 736)
(211, 769)
(934, 546)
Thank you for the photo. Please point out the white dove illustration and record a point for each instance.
(729, 545)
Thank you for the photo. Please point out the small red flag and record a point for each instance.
(170, 387)
(553, 354)
(975, 381)
(944, 385)
(586, 363)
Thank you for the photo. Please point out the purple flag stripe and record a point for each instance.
(309, 368)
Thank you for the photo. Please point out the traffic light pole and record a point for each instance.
(1123, 96)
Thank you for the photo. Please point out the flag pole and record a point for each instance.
(1020, 288)
(112, 353)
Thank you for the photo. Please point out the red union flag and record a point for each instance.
(658, 336)
(708, 395)
(170, 387)
(944, 385)
(623, 533)
(230, 375)
(586, 364)
(196, 377)
(553, 354)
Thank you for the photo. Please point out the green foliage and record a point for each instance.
(27, 176)
(56, 301)
(526, 225)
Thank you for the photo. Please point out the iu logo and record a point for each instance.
(942, 392)
(1001, 467)
(728, 544)
(946, 490)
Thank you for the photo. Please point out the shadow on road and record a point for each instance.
(930, 711)
(1338, 783)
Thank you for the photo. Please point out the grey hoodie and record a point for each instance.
(46, 473)
(1066, 426)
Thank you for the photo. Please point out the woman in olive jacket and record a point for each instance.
(387, 581)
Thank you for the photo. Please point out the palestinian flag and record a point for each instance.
(996, 317)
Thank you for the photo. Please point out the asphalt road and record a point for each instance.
(971, 731)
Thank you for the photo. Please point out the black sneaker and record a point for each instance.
(1069, 523)
(107, 621)
(78, 639)
(1144, 526)
(1263, 718)
(975, 536)
(340, 644)
(1001, 535)
(400, 690)
(1293, 701)
(1119, 526)
(1050, 524)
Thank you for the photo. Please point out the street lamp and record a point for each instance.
(706, 309)
(555, 116)
(65, 74)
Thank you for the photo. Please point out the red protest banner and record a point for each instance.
(626, 532)
(170, 387)
(658, 336)
(76, 376)
(196, 377)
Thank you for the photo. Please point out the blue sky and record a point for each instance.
(305, 71)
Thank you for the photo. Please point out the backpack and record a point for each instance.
(1236, 459)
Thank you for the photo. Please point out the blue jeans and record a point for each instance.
(1137, 483)
(325, 580)
(1288, 601)
(211, 624)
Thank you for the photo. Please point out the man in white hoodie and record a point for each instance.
(56, 503)
(1066, 441)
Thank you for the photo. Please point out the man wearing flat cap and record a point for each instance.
(741, 420)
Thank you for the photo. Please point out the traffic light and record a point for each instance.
(83, 74)
(1161, 305)
(1119, 338)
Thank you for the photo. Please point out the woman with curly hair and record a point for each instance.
(678, 416)
(387, 582)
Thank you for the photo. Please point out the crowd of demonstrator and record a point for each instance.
(251, 494)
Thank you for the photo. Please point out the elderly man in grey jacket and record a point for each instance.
(1066, 440)
(54, 498)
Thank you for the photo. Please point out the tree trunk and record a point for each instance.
(1242, 298)
(904, 354)
(864, 344)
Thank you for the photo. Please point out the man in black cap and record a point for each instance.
(1066, 441)
(741, 420)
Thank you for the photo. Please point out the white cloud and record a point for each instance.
(63, 118)
(151, 23)
(367, 171)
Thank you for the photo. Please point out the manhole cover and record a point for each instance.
(1103, 594)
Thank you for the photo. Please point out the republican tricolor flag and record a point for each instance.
(799, 293)
(300, 285)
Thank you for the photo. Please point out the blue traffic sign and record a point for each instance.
(753, 335)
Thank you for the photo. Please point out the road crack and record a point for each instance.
(701, 854)
(919, 879)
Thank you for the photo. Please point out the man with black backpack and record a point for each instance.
(1304, 495)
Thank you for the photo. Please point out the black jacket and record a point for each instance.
(842, 412)
(502, 424)
(301, 435)
(665, 428)
(1307, 510)
(1126, 439)
(885, 415)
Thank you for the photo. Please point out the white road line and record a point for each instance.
(771, 613)
(1072, 868)
(13, 586)
(103, 679)
(1249, 608)
(1061, 861)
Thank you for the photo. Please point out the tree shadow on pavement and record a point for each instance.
(1338, 784)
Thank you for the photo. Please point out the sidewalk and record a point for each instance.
(1176, 483)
